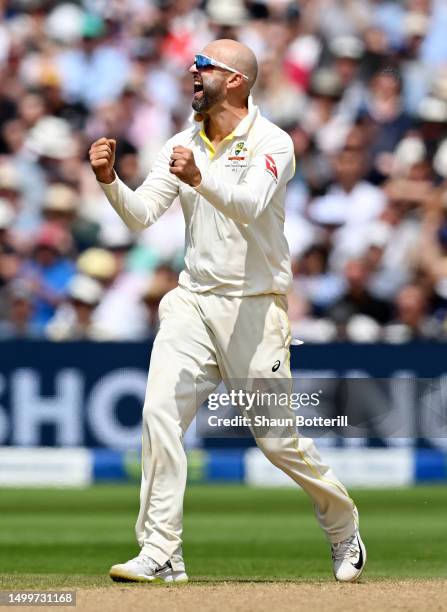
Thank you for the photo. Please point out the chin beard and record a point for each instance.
(209, 98)
(200, 106)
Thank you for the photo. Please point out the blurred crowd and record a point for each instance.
(360, 86)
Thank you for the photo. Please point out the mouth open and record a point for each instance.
(198, 88)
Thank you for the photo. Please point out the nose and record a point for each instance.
(192, 69)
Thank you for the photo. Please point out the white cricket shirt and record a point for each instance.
(235, 243)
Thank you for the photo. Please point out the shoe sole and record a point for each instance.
(123, 576)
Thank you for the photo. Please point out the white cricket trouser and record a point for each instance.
(204, 338)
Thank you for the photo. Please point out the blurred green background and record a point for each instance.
(52, 538)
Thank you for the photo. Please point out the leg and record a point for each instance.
(253, 336)
(183, 371)
(299, 459)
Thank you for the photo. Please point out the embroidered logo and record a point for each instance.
(239, 147)
(270, 166)
(237, 158)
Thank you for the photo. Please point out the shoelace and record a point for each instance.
(145, 561)
(347, 548)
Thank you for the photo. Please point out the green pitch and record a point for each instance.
(61, 538)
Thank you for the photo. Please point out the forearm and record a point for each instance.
(246, 201)
(130, 206)
(238, 202)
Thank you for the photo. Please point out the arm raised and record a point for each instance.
(142, 207)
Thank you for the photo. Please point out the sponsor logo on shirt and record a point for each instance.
(270, 166)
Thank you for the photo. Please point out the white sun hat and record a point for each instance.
(410, 151)
(60, 198)
(228, 13)
(433, 110)
(349, 47)
(85, 289)
(64, 23)
(51, 137)
(361, 328)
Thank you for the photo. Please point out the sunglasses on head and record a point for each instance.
(203, 61)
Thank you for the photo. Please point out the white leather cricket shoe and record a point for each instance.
(145, 569)
(349, 558)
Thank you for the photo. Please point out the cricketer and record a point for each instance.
(227, 319)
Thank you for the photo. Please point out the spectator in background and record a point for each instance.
(9, 257)
(303, 50)
(165, 279)
(315, 281)
(388, 17)
(412, 320)
(49, 270)
(42, 160)
(31, 108)
(346, 18)
(120, 309)
(61, 207)
(18, 324)
(358, 300)
(360, 86)
(384, 115)
(415, 76)
(431, 247)
(74, 319)
(434, 50)
(96, 71)
(305, 326)
(350, 205)
(348, 52)
(98, 264)
(312, 173)
(402, 219)
(432, 123)
(322, 117)
(127, 164)
(278, 98)
(10, 185)
(386, 275)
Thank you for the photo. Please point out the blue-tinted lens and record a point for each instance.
(202, 62)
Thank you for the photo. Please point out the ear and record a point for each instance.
(234, 80)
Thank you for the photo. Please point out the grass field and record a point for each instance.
(61, 538)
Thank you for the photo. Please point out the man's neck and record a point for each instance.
(223, 121)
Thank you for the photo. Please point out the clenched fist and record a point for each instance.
(183, 165)
(102, 159)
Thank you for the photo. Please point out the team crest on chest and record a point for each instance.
(237, 156)
(239, 148)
